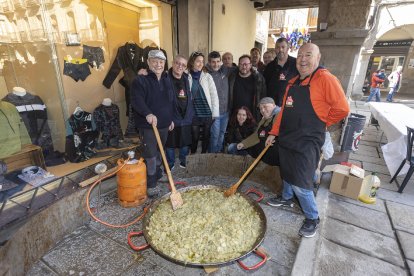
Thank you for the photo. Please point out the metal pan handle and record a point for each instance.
(254, 191)
(133, 246)
(256, 266)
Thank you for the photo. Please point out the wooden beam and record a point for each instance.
(289, 4)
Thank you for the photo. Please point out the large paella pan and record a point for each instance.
(161, 228)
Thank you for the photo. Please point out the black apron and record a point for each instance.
(301, 137)
(271, 157)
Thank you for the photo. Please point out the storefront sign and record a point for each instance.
(394, 43)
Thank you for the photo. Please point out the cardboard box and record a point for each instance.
(346, 181)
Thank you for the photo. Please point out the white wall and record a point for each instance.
(235, 30)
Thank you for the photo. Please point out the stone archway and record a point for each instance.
(390, 21)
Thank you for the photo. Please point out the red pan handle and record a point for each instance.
(254, 191)
(178, 183)
(133, 246)
(256, 266)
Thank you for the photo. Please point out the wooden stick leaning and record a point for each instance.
(176, 199)
(232, 190)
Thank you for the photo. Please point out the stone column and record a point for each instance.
(361, 68)
(193, 26)
(341, 39)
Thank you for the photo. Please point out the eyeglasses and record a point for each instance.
(196, 54)
(244, 64)
(180, 64)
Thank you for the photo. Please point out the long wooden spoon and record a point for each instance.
(232, 190)
(176, 199)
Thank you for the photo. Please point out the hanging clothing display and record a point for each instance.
(94, 55)
(81, 137)
(76, 68)
(13, 132)
(107, 122)
(34, 114)
(129, 58)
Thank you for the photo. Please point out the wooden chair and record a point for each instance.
(408, 159)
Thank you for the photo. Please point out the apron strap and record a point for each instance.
(299, 81)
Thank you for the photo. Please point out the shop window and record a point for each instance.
(28, 59)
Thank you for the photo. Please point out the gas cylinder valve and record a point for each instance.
(131, 154)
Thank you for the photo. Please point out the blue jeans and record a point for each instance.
(232, 149)
(306, 199)
(218, 129)
(391, 94)
(374, 92)
(182, 155)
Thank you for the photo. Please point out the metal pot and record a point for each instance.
(252, 202)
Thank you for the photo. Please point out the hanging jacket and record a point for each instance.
(34, 114)
(13, 133)
(129, 58)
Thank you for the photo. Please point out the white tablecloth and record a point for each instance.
(393, 120)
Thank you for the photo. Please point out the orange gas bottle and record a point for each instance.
(132, 182)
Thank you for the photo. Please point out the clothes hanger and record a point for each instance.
(78, 109)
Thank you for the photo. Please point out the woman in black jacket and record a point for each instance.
(241, 125)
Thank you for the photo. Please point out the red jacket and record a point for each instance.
(376, 81)
(327, 98)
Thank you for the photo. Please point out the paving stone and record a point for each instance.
(411, 266)
(169, 266)
(283, 220)
(378, 206)
(40, 269)
(367, 158)
(390, 196)
(270, 268)
(148, 269)
(402, 216)
(368, 143)
(356, 162)
(280, 247)
(376, 168)
(370, 243)
(366, 151)
(337, 260)
(114, 213)
(373, 137)
(407, 244)
(360, 216)
(89, 253)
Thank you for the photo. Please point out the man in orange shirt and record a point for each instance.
(313, 101)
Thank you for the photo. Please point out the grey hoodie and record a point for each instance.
(221, 81)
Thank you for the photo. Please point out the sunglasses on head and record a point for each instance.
(196, 54)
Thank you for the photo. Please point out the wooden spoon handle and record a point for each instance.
(251, 167)
(164, 159)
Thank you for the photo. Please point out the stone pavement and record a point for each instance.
(96, 249)
(354, 238)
